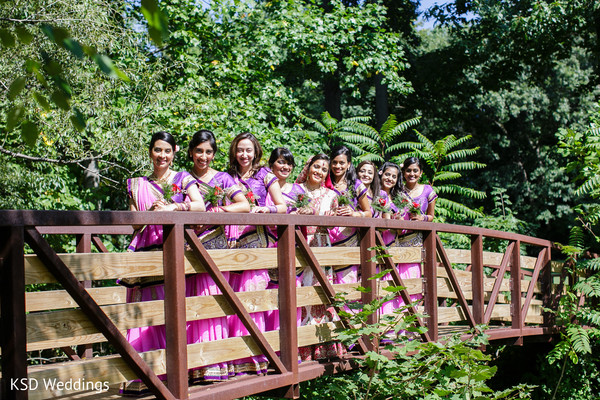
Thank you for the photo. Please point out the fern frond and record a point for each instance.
(579, 339)
(377, 159)
(461, 191)
(589, 286)
(446, 176)
(401, 128)
(591, 185)
(461, 153)
(357, 139)
(328, 121)
(593, 264)
(450, 144)
(317, 125)
(425, 143)
(390, 123)
(457, 208)
(463, 166)
(577, 237)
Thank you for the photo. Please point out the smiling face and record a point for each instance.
(244, 154)
(161, 154)
(366, 174)
(317, 172)
(202, 155)
(412, 174)
(389, 178)
(339, 166)
(282, 168)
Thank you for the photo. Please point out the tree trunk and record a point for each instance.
(382, 111)
(333, 97)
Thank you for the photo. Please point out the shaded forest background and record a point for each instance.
(519, 77)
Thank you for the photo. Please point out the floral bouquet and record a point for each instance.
(213, 195)
(301, 201)
(346, 198)
(412, 207)
(252, 198)
(381, 204)
(169, 190)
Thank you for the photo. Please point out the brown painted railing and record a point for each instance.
(20, 227)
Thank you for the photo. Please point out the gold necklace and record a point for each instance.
(162, 179)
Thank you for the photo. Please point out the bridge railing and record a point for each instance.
(80, 315)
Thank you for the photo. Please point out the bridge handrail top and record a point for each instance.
(108, 222)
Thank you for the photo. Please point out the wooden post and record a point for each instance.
(477, 278)
(13, 337)
(430, 283)
(84, 245)
(515, 291)
(175, 322)
(367, 270)
(288, 329)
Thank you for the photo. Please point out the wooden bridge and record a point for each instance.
(455, 288)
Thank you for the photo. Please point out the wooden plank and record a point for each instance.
(60, 299)
(459, 256)
(501, 312)
(112, 369)
(465, 278)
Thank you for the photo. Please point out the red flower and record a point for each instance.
(250, 196)
(175, 188)
(416, 205)
(218, 190)
(382, 202)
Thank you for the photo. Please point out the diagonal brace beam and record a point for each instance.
(235, 303)
(323, 281)
(454, 281)
(91, 309)
(389, 264)
(498, 283)
(541, 258)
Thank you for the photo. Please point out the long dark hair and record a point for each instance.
(374, 185)
(394, 191)
(283, 153)
(164, 136)
(350, 172)
(258, 153)
(200, 137)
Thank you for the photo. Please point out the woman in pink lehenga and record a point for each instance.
(221, 194)
(163, 190)
(282, 164)
(390, 184)
(378, 198)
(256, 182)
(343, 181)
(324, 202)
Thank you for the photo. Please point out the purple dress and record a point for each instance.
(144, 192)
(211, 237)
(250, 236)
(348, 237)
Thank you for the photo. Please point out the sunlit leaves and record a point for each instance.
(15, 87)
(29, 132)
(157, 21)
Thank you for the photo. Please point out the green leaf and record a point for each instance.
(14, 117)
(74, 47)
(157, 21)
(29, 133)
(16, 87)
(78, 120)
(61, 100)
(7, 38)
(41, 100)
(24, 35)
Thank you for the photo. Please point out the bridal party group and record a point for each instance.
(327, 184)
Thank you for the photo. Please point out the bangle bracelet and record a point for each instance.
(272, 209)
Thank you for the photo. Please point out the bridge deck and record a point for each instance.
(460, 288)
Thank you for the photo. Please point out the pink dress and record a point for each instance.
(323, 200)
(144, 192)
(211, 237)
(348, 237)
(290, 194)
(250, 236)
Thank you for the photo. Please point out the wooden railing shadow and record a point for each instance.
(509, 297)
